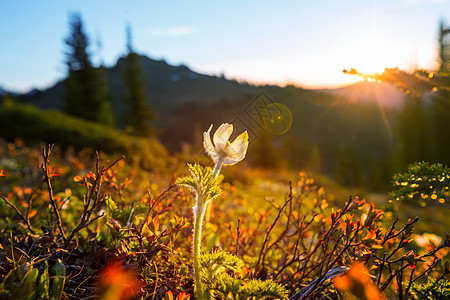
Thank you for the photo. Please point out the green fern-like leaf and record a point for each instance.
(431, 290)
(257, 289)
(221, 285)
(224, 287)
(201, 182)
(218, 261)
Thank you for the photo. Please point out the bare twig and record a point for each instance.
(237, 237)
(392, 275)
(79, 227)
(410, 282)
(89, 207)
(45, 168)
(27, 222)
(153, 205)
(335, 271)
(268, 233)
(30, 200)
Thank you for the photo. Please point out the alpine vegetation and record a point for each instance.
(204, 183)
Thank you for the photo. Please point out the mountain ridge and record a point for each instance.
(180, 95)
(346, 125)
(384, 94)
(169, 85)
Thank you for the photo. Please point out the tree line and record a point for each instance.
(87, 95)
(424, 121)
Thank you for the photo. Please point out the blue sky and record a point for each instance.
(307, 43)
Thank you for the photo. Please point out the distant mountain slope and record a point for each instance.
(4, 92)
(346, 130)
(186, 102)
(170, 86)
(167, 86)
(383, 93)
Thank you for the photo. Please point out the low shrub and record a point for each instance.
(35, 126)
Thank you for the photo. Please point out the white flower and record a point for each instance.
(223, 151)
(428, 239)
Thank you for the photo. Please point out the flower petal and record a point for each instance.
(209, 147)
(237, 149)
(228, 161)
(222, 135)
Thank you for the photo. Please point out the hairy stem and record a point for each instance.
(199, 212)
(216, 171)
(217, 167)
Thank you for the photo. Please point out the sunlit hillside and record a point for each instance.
(325, 123)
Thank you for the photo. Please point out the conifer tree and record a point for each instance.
(440, 112)
(138, 113)
(440, 108)
(444, 48)
(424, 123)
(414, 132)
(87, 94)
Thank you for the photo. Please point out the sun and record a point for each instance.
(373, 56)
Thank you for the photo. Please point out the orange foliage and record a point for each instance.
(357, 281)
(118, 283)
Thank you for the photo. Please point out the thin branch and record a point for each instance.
(153, 205)
(410, 282)
(46, 154)
(103, 170)
(79, 227)
(237, 237)
(88, 208)
(30, 200)
(269, 231)
(19, 213)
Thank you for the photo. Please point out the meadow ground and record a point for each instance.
(74, 225)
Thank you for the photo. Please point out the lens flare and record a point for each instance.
(278, 118)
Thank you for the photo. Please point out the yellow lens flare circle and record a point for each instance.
(277, 118)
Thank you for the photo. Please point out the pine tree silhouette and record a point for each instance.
(87, 94)
(138, 113)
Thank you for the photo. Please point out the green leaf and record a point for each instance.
(217, 261)
(221, 285)
(59, 279)
(201, 182)
(43, 284)
(28, 283)
(211, 242)
(114, 211)
(262, 289)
